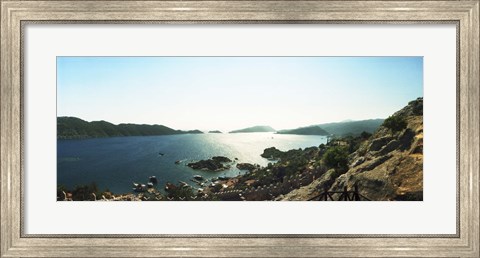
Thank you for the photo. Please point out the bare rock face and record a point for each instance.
(390, 167)
(387, 166)
(313, 189)
(379, 143)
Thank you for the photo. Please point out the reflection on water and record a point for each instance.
(114, 163)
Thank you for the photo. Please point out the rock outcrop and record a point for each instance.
(214, 164)
(312, 190)
(272, 153)
(246, 166)
(389, 166)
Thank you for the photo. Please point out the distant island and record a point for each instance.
(76, 128)
(215, 131)
(310, 130)
(255, 129)
(192, 132)
(344, 128)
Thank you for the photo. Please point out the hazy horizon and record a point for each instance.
(230, 93)
(205, 130)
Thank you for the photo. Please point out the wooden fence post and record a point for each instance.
(344, 195)
(355, 194)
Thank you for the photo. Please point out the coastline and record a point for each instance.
(387, 165)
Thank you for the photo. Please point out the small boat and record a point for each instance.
(161, 154)
(150, 185)
(198, 177)
(153, 180)
(223, 177)
(183, 184)
(139, 187)
(170, 186)
(177, 162)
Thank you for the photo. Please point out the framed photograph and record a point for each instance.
(240, 129)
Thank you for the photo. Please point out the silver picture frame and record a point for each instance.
(16, 14)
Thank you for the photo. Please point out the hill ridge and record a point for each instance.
(254, 129)
(69, 127)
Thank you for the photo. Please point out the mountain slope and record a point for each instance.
(387, 166)
(338, 129)
(352, 127)
(255, 129)
(310, 130)
(76, 128)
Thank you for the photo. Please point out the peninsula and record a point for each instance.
(255, 129)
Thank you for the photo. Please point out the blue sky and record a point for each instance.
(226, 93)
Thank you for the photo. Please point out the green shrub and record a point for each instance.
(363, 148)
(395, 123)
(336, 157)
(185, 193)
(365, 135)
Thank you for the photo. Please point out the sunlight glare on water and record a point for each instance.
(114, 163)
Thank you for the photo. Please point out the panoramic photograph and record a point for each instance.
(239, 128)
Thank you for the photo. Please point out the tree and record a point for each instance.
(395, 123)
(365, 135)
(336, 157)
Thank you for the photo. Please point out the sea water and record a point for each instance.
(114, 163)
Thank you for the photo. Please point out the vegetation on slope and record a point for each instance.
(76, 128)
(339, 129)
(310, 130)
(386, 166)
(255, 129)
(352, 127)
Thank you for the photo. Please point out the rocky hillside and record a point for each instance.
(387, 166)
(383, 166)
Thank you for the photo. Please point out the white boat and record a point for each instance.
(139, 187)
(183, 184)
